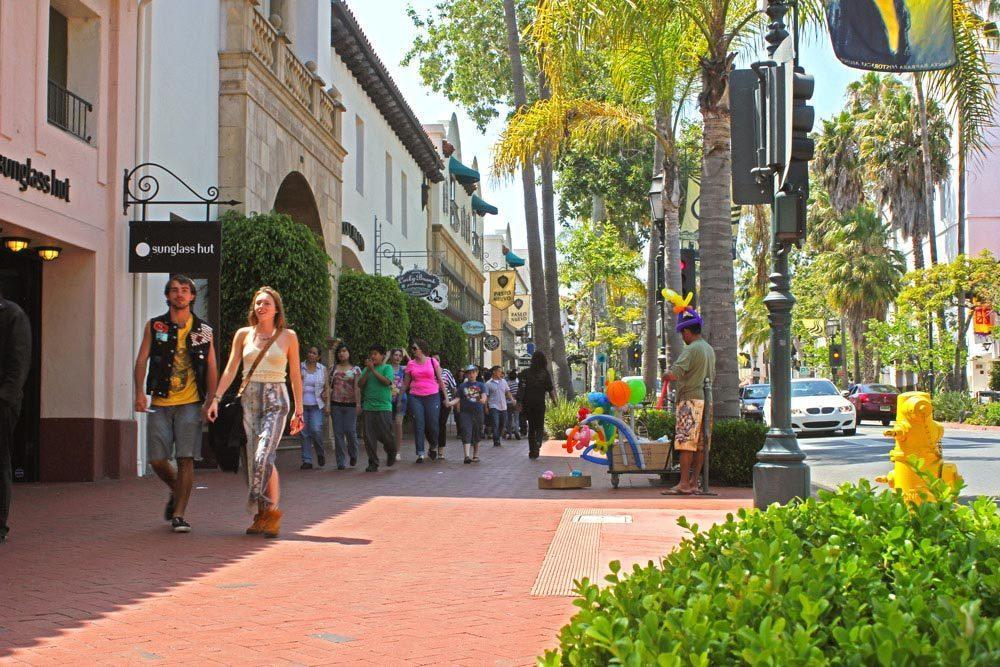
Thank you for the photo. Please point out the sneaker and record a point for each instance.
(180, 525)
(306, 466)
(420, 458)
(441, 455)
(467, 460)
(168, 512)
(390, 459)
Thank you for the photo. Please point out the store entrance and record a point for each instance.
(21, 282)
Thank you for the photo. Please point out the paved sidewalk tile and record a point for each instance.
(416, 564)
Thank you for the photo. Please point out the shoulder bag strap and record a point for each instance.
(253, 367)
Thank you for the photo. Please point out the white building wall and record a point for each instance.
(362, 208)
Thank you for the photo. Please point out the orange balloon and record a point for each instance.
(618, 393)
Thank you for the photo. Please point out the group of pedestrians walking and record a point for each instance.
(176, 367)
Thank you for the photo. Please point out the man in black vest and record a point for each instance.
(15, 360)
(180, 352)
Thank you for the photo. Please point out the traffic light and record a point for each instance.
(836, 355)
(803, 116)
(689, 273)
(636, 356)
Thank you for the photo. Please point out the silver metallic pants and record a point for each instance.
(265, 409)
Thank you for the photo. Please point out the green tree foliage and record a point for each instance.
(425, 323)
(902, 341)
(460, 48)
(272, 249)
(372, 309)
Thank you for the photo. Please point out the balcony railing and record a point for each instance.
(69, 111)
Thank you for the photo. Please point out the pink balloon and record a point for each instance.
(583, 437)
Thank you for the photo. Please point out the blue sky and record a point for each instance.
(391, 32)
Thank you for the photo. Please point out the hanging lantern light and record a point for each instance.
(16, 243)
(48, 252)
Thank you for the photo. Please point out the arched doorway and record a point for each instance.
(349, 260)
(295, 199)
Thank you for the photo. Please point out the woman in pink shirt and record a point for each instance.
(423, 382)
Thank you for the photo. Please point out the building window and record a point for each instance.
(73, 67)
(402, 202)
(359, 154)
(388, 187)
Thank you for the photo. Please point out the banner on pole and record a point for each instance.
(520, 311)
(892, 35)
(502, 284)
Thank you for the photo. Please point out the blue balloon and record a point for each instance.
(598, 399)
(624, 430)
(587, 456)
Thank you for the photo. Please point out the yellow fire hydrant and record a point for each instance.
(917, 434)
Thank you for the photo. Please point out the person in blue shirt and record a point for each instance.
(472, 402)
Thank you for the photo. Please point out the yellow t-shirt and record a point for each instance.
(183, 387)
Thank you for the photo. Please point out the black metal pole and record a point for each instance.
(781, 474)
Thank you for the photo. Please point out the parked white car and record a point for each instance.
(817, 406)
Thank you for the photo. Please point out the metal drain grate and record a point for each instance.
(573, 552)
(602, 518)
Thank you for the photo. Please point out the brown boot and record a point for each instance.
(255, 527)
(271, 523)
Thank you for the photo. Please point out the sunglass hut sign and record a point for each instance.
(27, 176)
(174, 247)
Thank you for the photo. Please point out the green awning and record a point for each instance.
(483, 207)
(462, 174)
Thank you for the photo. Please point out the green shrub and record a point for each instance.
(370, 309)
(852, 578)
(454, 344)
(560, 416)
(995, 376)
(952, 406)
(987, 414)
(735, 443)
(272, 249)
(425, 322)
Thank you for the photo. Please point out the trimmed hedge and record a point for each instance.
(735, 443)
(856, 577)
(272, 249)
(454, 345)
(370, 309)
(425, 322)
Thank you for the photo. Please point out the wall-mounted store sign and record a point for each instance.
(417, 282)
(353, 233)
(29, 177)
(473, 327)
(175, 247)
(491, 342)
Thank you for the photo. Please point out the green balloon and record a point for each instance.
(638, 388)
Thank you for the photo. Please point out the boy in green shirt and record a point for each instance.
(376, 405)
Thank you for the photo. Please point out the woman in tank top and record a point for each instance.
(264, 400)
(424, 384)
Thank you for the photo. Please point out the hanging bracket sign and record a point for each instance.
(473, 327)
(193, 248)
(418, 283)
(502, 284)
(519, 312)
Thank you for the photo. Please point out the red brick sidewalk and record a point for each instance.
(428, 564)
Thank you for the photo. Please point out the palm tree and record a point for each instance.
(837, 166)
(890, 149)
(536, 268)
(864, 274)
(650, 67)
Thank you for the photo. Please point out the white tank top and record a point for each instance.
(272, 367)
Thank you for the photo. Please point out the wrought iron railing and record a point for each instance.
(69, 111)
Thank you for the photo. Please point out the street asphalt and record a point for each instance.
(836, 459)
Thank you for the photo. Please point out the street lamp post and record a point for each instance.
(656, 211)
(781, 473)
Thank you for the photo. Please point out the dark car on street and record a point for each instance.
(752, 400)
(875, 402)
